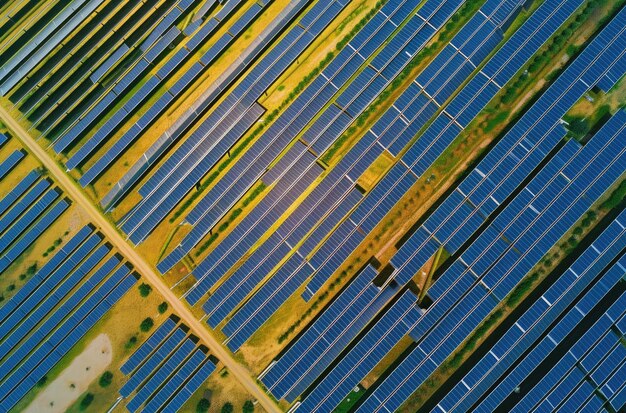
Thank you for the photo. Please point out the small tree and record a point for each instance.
(86, 401)
(248, 407)
(162, 307)
(106, 379)
(144, 289)
(203, 406)
(146, 324)
(42, 381)
(227, 408)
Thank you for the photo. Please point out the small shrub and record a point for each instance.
(106, 379)
(146, 324)
(227, 408)
(144, 290)
(248, 407)
(86, 401)
(162, 307)
(203, 406)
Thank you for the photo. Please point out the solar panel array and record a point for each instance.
(498, 259)
(162, 104)
(546, 133)
(154, 206)
(510, 57)
(209, 97)
(67, 95)
(47, 39)
(11, 162)
(166, 369)
(26, 212)
(55, 309)
(589, 269)
(88, 118)
(327, 127)
(256, 160)
(296, 270)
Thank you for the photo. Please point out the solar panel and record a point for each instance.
(11, 162)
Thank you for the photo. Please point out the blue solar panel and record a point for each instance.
(161, 374)
(41, 277)
(148, 346)
(34, 232)
(193, 384)
(363, 357)
(18, 190)
(11, 162)
(65, 337)
(161, 353)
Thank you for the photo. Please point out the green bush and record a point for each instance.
(248, 407)
(86, 401)
(146, 324)
(162, 307)
(106, 379)
(227, 408)
(144, 290)
(203, 406)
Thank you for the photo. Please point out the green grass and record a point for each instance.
(351, 399)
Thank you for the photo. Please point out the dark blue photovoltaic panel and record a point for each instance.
(159, 355)
(30, 322)
(10, 162)
(39, 281)
(18, 190)
(70, 331)
(33, 233)
(148, 346)
(194, 383)
(367, 352)
(198, 358)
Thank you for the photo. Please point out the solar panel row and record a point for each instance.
(18, 190)
(255, 161)
(34, 232)
(252, 227)
(16, 303)
(605, 64)
(216, 50)
(327, 337)
(148, 346)
(394, 324)
(254, 306)
(38, 288)
(44, 42)
(46, 306)
(120, 87)
(545, 346)
(44, 80)
(21, 225)
(331, 120)
(165, 370)
(209, 97)
(223, 118)
(394, 185)
(69, 331)
(3, 139)
(23, 204)
(11, 162)
(585, 271)
(502, 254)
(74, 89)
(497, 176)
(589, 365)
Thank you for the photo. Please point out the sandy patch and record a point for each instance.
(75, 379)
